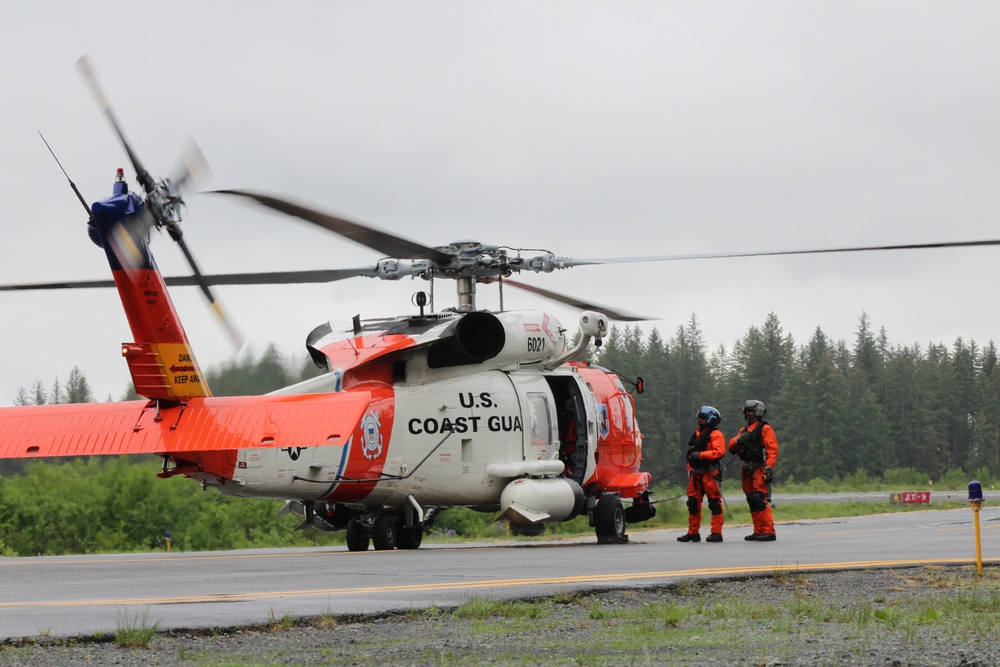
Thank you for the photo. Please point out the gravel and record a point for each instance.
(925, 616)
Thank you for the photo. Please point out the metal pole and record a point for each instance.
(976, 505)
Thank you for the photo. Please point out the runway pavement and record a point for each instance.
(74, 595)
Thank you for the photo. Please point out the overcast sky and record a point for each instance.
(591, 129)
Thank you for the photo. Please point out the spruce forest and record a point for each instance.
(838, 408)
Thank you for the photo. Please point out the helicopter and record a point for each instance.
(459, 407)
(413, 414)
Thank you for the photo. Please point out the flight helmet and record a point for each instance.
(756, 408)
(711, 415)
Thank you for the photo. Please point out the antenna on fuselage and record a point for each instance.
(420, 300)
(79, 196)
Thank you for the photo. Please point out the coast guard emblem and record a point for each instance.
(372, 446)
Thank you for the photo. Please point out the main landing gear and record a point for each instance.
(385, 531)
(608, 520)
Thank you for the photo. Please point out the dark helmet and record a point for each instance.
(756, 407)
(711, 415)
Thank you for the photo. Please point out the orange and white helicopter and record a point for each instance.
(489, 410)
(413, 414)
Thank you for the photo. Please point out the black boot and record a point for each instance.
(690, 537)
(714, 537)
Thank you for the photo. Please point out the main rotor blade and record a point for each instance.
(383, 242)
(579, 303)
(234, 335)
(76, 284)
(256, 278)
(568, 261)
(278, 277)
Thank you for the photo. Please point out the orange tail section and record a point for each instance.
(161, 361)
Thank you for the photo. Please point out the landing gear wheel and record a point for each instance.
(408, 538)
(609, 520)
(384, 533)
(357, 536)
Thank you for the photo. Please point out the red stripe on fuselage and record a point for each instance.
(369, 449)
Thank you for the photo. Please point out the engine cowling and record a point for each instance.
(507, 340)
(532, 337)
(530, 501)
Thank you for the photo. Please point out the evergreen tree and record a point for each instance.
(866, 427)
(77, 387)
(56, 395)
(22, 398)
(38, 393)
(985, 451)
(657, 427)
(812, 438)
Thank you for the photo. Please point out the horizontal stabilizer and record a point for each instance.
(202, 425)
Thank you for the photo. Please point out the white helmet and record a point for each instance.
(758, 408)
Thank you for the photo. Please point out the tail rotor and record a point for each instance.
(163, 198)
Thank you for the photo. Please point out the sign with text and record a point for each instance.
(911, 497)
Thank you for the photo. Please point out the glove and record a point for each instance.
(743, 438)
(768, 474)
(694, 457)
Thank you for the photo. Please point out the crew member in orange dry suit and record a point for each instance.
(757, 447)
(706, 447)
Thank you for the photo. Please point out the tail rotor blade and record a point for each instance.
(90, 78)
(194, 170)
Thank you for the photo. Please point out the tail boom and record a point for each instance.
(161, 361)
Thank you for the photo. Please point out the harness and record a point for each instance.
(752, 452)
(700, 443)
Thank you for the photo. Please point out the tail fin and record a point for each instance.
(161, 361)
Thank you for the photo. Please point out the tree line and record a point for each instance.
(838, 409)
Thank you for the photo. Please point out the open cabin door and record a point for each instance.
(575, 420)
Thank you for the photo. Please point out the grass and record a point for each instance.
(687, 620)
(134, 631)
(280, 623)
(678, 624)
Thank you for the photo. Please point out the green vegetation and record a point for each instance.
(279, 623)
(134, 631)
(686, 623)
(108, 505)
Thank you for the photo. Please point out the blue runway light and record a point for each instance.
(975, 492)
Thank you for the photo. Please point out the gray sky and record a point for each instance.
(590, 129)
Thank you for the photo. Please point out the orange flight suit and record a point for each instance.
(703, 480)
(757, 453)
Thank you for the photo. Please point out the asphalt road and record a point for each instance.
(73, 595)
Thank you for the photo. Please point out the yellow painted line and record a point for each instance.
(490, 583)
